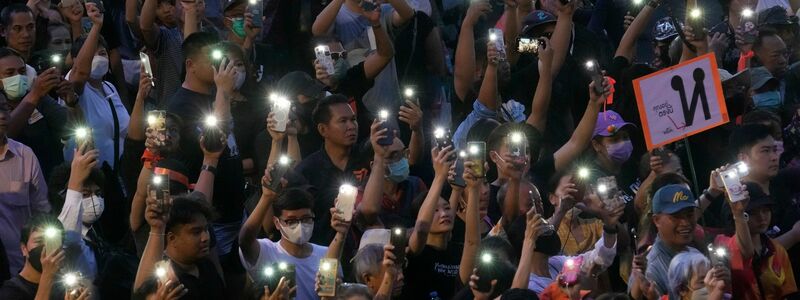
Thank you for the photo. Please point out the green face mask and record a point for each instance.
(238, 26)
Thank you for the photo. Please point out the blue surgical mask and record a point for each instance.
(620, 152)
(398, 171)
(768, 100)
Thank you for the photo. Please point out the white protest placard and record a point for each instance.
(680, 101)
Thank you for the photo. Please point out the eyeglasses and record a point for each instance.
(304, 220)
(337, 55)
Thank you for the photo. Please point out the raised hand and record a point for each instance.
(376, 133)
(442, 161)
(338, 222)
(82, 163)
(476, 10)
(411, 114)
(225, 76)
(171, 290)
(473, 286)
(94, 14)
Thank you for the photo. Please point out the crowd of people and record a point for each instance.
(392, 149)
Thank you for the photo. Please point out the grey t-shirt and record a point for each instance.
(352, 29)
(658, 264)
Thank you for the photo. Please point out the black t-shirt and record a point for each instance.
(433, 271)
(229, 196)
(785, 191)
(18, 288)
(325, 179)
(208, 285)
(249, 119)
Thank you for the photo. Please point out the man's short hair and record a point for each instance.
(194, 43)
(5, 52)
(746, 136)
(763, 33)
(185, 209)
(39, 221)
(9, 11)
(322, 113)
(293, 199)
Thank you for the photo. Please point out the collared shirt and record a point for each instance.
(658, 264)
(23, 192)
(600, 256)
(71, 217)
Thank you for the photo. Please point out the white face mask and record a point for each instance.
(99, 67)
(298, 234)
(241, 75)
(93, 207)
(15, 87)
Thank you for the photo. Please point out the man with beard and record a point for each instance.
(37, 278)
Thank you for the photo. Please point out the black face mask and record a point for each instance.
(35, 258)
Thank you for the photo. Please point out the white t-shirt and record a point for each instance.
(305, 268)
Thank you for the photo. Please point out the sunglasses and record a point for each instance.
(337, 55)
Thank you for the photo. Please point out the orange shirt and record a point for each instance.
(774, 271)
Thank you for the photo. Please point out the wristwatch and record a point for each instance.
(211, 169)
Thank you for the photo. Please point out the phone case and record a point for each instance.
(281, 115)
(496, 35)
(328, 268)
(698, 27)
(733, 185)
(211, 138)
(148, 68)
(277, 172)
(323, 54)
(413, 97)
(399, 240)
(444, 140)
(389, 139)
(458, 179)
(597, 76)
(607, 196)
(255, 7)
(571, 270)
(346, 201)
(478, 157)
(51, 244)
(87, 141)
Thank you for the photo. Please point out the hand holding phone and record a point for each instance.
(399, 240)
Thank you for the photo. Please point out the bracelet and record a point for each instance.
(156, 233)
(210, 169)
(610, 229)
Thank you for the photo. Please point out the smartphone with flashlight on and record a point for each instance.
(274, 272)
(442, 137)
(280, 109)
(159, 187)
(399, 240)
(323, 54)
(719, 256)
(216, 57)
(496, 37)
(383, 117)
(596, 75)
(747, 25)
(476, 153)
(278, 171)
(328, 268)
(518, 144)
(163, 269)
(73, 283)
(157, 122)
(52, 60)
(607, 190)
(410, 95)
(571, 271)
(148, 68)
(486, 272)
(635, 7)
(256, 9)
(346, 201)
(581, 178)
(212, 135)
(52, 239)
(697, 23)
(731, 179)
(458, 178)
(83, 138)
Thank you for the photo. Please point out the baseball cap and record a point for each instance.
(672, 198)
(664, 30)
(298, 82)
(759, 77)
(609, 123)
(231, 4)
(775, 15)
(757, 197)
(534, 19)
